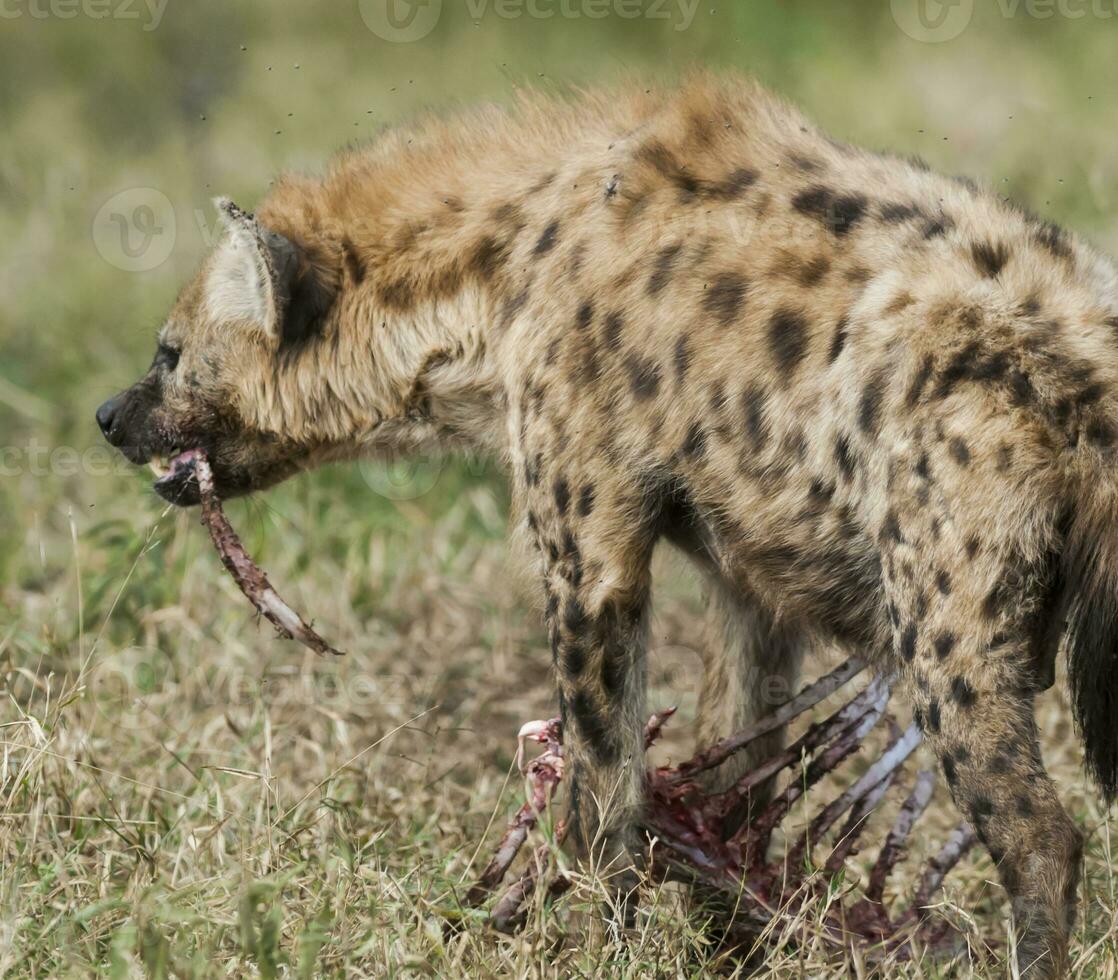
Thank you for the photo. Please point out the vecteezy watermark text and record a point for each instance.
(93, 9)
(410, 20)
(934, 21)
(39, 459)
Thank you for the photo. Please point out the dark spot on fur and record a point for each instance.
(959, 451)
(936, 228)
(1100, 433)
(592, 726)
(961, 365)
(989, 258)
(1021, 388)
(895, 214)
(547, 240)
(718, 396)
(805, 164)
(982, 808)
(995, 600)
(613, 671)
(753, 407)
(1054, 238)
(820, 491)
(788, 340)
(1000, 765)
(354, 263)
(611, 333)
(667, 164)
(869, 409)
(694, 445)
(734, 186)
(725, 297)
(839, 213)
(902, 301)
(949, 770)
(972, 545)
(916, 389)
(908, 642)
(644, 376)
(944, 643)
(809, 274)
(306, 299)
(890, 529)
(574, 659)
(575, 619)
(562, 491)
(662, 268)
(934, 719)
(488, 256)
(839, 340)
(682, 357)
(585, 315)
(586, 500)
(943, 582)
(844, 457)
(965, 695)
(543, 183)
(513, 307)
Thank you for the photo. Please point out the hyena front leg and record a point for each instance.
(750, 665)
(596, 548)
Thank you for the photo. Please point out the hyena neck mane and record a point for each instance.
(415, 254)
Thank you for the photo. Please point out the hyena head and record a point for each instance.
(256, 365)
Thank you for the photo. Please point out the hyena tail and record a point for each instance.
(1090, 579)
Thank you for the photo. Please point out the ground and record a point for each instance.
(220, 801)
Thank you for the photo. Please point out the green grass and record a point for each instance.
(182, 793)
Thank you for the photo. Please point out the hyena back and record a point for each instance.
(875, 405)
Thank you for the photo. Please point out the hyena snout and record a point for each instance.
(126, 422)
(107, 414)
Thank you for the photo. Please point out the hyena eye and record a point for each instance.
(167, 357)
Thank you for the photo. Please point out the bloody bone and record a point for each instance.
(246, 573)
(685, 825)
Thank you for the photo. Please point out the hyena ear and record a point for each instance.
(262, 278)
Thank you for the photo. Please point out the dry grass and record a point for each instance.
(202, 799)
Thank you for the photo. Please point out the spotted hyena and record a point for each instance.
(874, 405)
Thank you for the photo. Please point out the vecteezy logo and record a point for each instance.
(135, 229)
(400, 20)
(932, 21)
(402, 477)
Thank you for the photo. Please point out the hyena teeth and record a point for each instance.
(159, 466)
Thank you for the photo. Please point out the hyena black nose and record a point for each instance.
(106, 416)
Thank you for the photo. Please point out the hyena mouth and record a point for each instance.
(176, 481)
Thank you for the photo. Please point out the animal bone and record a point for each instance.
(684, 824)
(246, 573)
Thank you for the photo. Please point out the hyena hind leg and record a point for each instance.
(750, 665)
(974, 680)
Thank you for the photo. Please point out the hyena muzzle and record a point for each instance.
(877, 407)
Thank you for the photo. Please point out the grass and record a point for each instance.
(207, 800)
(182, 794)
